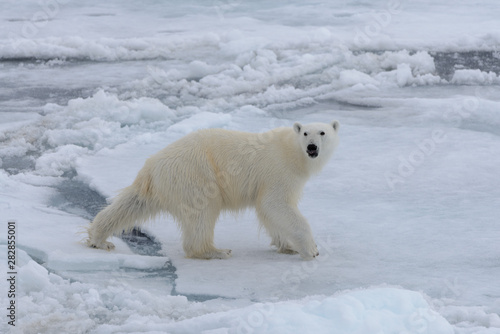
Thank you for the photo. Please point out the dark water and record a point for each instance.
(448, 62)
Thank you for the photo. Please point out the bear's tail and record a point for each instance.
(130, 208)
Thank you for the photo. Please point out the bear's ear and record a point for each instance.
(335, 125)
(297, 126)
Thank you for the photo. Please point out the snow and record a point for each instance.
(405, 215)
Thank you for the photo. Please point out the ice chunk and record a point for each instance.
(376, 310)
(353, 77)
(404, 76)
(474, 77)
(60, 161)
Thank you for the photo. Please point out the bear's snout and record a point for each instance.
(312, 150)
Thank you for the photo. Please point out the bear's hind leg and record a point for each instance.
(198, 234)
(127, 210)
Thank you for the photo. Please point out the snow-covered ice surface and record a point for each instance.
(406, 215)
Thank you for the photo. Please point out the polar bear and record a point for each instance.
(205, 172)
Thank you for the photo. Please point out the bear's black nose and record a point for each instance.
(312, 150)
(312, 147)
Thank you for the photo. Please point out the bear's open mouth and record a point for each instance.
(312, 150)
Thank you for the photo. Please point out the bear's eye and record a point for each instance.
(305, 134)
(322, 133)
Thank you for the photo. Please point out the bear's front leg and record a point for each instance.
(283, 246)
(306, 246)
(284, 222)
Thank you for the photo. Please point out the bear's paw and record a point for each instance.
(106, 245)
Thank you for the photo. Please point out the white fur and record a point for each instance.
(208, 171)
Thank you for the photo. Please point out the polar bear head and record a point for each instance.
(317, 140)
